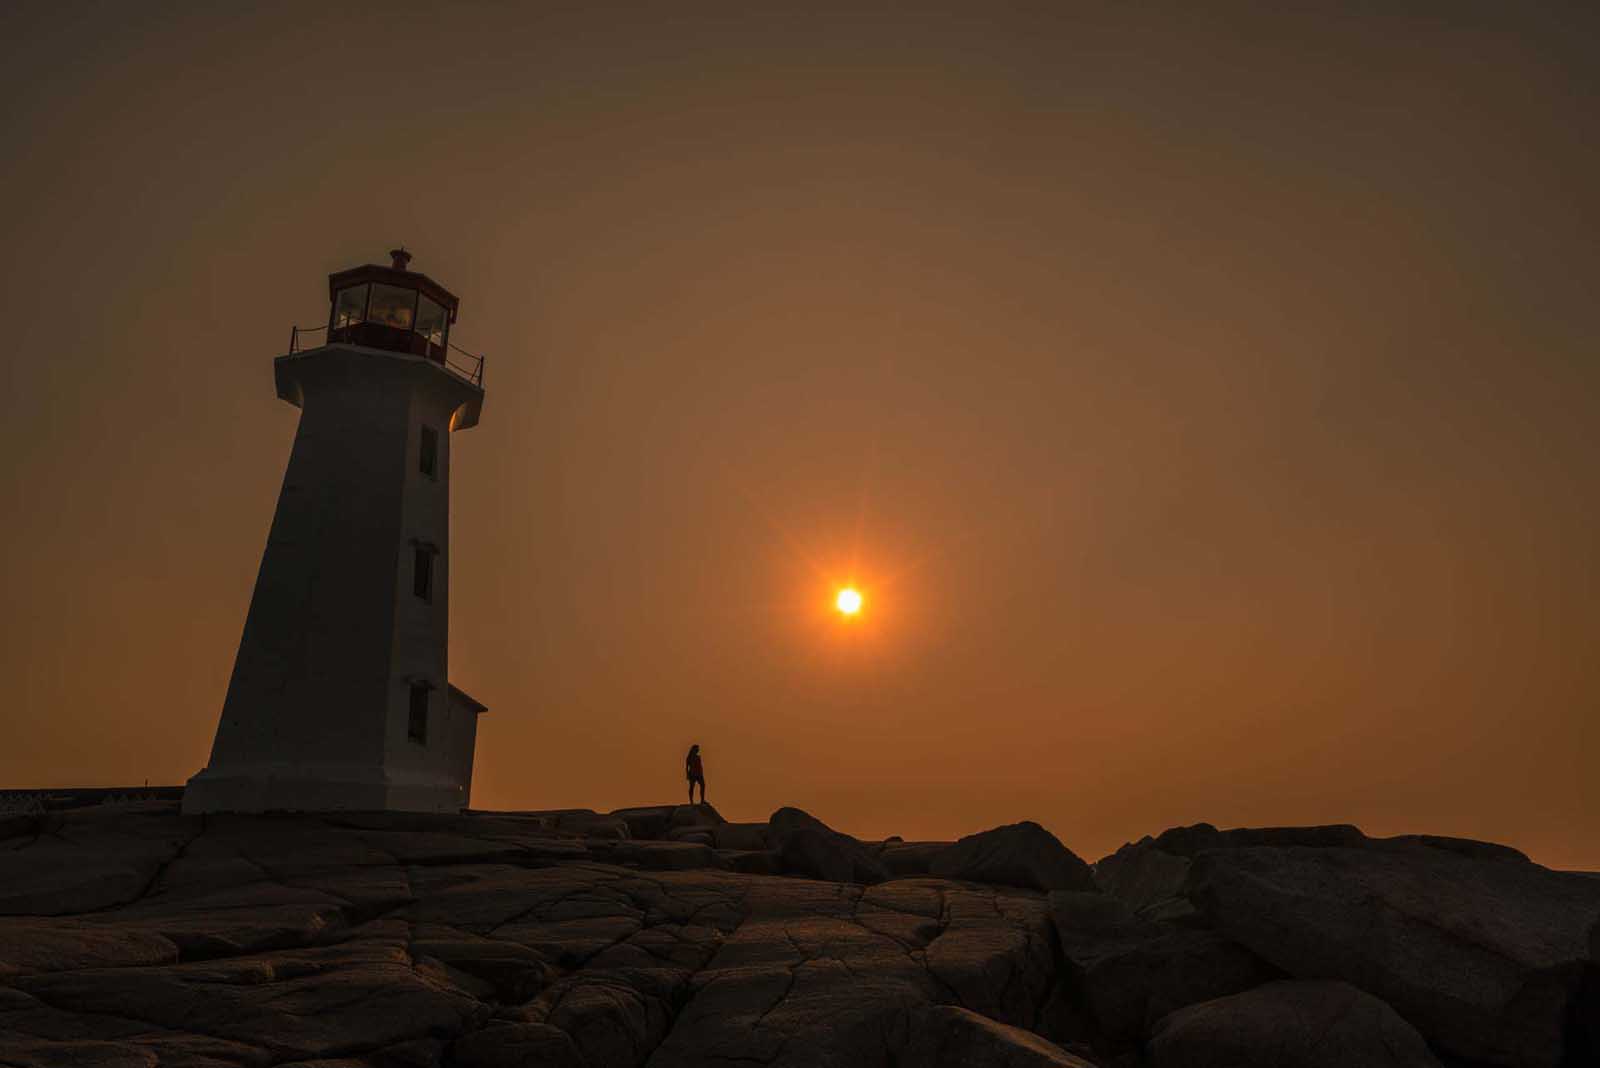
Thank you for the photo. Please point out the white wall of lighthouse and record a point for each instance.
(340, 694)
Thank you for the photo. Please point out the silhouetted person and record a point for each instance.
(696, 773)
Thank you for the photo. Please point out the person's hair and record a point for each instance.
(692, 748)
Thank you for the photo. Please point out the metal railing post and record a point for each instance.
(294, 336)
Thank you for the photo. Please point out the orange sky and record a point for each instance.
(1207, 404)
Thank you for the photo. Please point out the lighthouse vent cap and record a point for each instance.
(400, 257)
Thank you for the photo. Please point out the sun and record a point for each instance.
(848, 602)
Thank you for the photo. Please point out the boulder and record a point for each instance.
(825, 855)
(91, 859)
(20, 825)
(539, 817)
(434, 822)
(50, 1046)
(1081, 917)
(593, 825)
(751, 863)
(1289, 1024)
(610, 1023)
(1142, 875)
(701, 815)
(657, 821)
(665, 856)
(1178, 910)
(1128, 972)
(1199, 837)
(52, 888)
(28, 946)
(1020, 854)
(516, 1045)
(202, 922)
(302, 1004)
(945, 1036)
(996, 954)
(906, 859)
(370, 892)
(1585, 1034)
(789, 819)
(1149, 873)
(646, 822)
(1466, 847)
(803, 845)
(822, 975)
(909, 913)
(512, 971)
(1486, 957)
(697, 835)
(748, 837)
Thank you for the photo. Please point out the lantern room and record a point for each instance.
(391, 308)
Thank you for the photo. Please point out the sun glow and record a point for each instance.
(848, 602)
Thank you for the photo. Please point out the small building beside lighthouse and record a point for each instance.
(340, 695)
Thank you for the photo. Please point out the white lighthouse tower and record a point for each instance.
(340, 696)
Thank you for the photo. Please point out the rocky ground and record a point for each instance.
(667, 937)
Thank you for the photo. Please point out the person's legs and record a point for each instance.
(691, 791)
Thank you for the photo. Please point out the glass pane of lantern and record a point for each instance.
(349, 306)
(392, 306)
(430, 321)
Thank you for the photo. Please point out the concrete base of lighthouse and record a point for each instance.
(438, 779)
(318, 788)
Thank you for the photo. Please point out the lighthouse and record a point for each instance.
(339, 697)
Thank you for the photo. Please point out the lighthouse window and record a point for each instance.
(428, 452)
(422, 572)
(417, 726)
(350, 306)
(392, 306)
(430, 321)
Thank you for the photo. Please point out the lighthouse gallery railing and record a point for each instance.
(464, 365)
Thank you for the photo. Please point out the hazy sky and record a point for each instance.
(1205, 396)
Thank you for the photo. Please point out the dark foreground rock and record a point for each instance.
(950, 1037)
(1483, 951)
(825, 974)
(78, 865)
(1488, 958)
(1129, 972)
(141, 937)
(360, 941)
(660, 856)
(1021, 854)
(1290, 1024)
